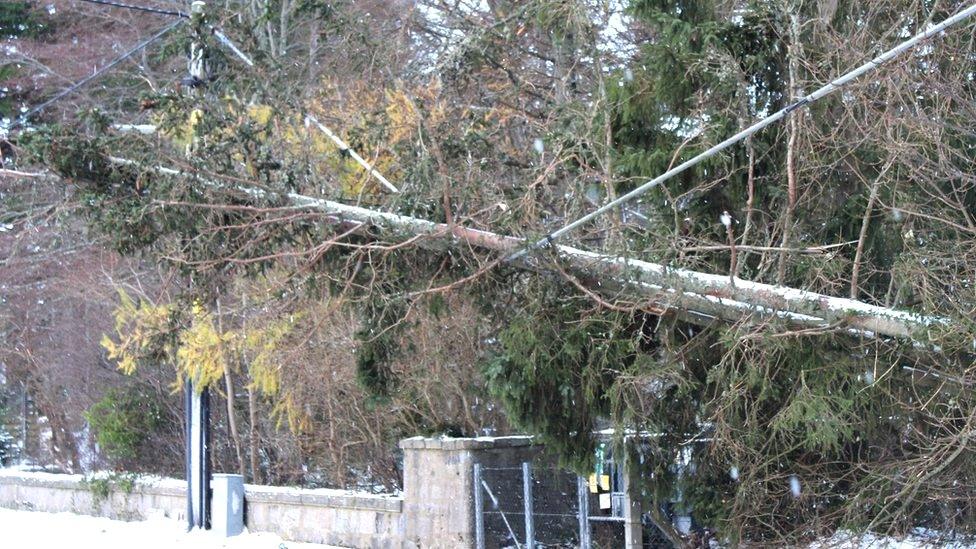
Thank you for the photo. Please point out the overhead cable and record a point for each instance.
(81, 83)
(230, 45)
(139, 8)
(783, 113)
(346, 149)
(216, 31)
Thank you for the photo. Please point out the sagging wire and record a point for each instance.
(22, 119)
(346, 149)
(825, 90)
(139, 8)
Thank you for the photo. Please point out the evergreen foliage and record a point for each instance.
(122, 421)
(8, 449)
(18, 18)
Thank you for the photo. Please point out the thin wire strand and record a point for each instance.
(81, 83)
(215, 30)
(139, 8)
(783, 113)
(346, 149)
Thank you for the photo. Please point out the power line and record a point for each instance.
(216, 31)
(345, 149)
(139, 8)
(74, 87)
(230, 45)
(807, 100)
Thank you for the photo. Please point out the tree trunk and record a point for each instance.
(231, 415)
(232, 421)
(252, 412)
(700, 294)
(793, 52)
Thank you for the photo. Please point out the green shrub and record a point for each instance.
(122, 421)
(7, 444)
(103, 486)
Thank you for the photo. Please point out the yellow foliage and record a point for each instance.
(260, 114)
(202, 355)
(263, 348)
(136, 326)
(384, 119)
(381, 120)
(403, 116)
(183, 135)
(288, 410)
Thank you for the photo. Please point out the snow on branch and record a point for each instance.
(685, 290)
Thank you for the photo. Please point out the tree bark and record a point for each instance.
(231, 415)
(793, 52)
(252, 412)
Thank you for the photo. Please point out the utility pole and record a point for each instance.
(197, 399)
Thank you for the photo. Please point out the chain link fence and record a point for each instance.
(524, 507)
(547, 507)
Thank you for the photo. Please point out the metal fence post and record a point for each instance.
(527, 504)
(584, 513)
(479, 510)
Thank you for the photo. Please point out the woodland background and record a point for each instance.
(326, 342)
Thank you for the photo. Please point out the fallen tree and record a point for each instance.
(697, 293)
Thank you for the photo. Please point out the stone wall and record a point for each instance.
(436, 509)
(56, 493)
(438, 484)
(334, 517)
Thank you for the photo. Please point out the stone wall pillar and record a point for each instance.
(438, 484)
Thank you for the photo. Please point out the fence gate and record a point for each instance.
(548, 507)
(526, 507)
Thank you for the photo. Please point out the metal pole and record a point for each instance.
(633, 527)
(205, 469)
(188, 450)
(527, 505)
(23, 426)
(584, 513)
(198, 401)
(479, 510)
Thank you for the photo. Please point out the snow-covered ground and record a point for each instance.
(68, 531)
(920, 539)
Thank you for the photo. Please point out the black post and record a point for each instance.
(198, 399)
(197, 457)
(188, 450)
(205, 458)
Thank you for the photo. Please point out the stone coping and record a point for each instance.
(475, 443)
(323, 497)
(281, 495)
(144, 484)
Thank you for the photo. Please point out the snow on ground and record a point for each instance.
(69, 531)
(919, 539)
